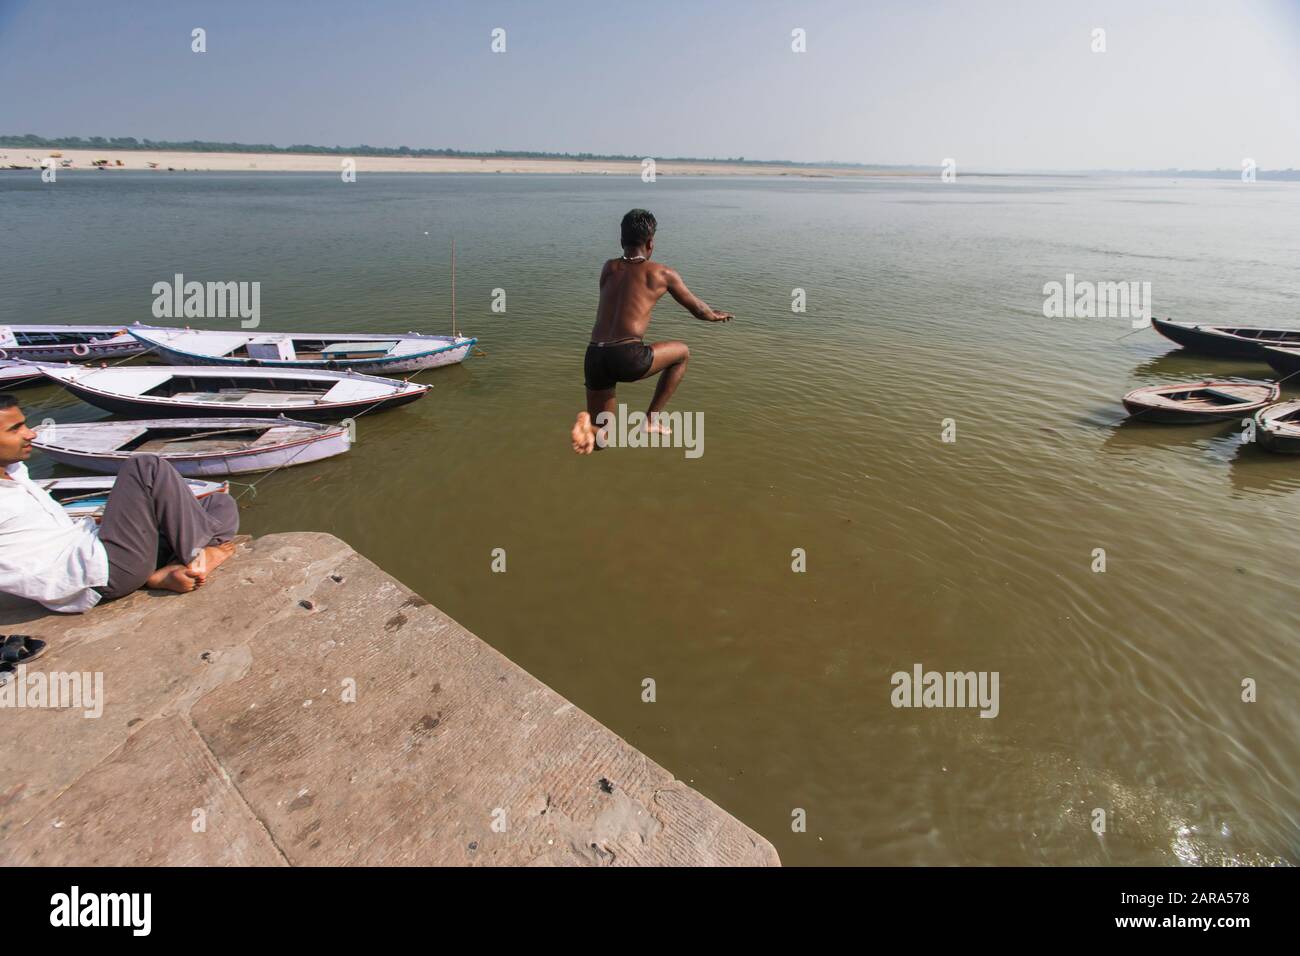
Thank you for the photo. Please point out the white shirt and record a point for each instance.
(45, 555)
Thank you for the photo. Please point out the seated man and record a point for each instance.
(154, 532)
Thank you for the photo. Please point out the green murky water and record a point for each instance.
(1118, 690)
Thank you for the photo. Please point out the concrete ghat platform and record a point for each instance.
(226, 738)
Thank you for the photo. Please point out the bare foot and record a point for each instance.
(206, 561)
(178, 579)
(653, 426)
(583, 434)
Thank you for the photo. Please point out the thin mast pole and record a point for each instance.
(453, 287)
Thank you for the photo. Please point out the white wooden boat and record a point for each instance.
(67, 343)
(18, 374)
(161, 391)
(86, 497)
(361, 352)
(197, 447)
(1277, 428)
(1186, 403)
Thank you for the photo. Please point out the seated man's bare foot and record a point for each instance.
(207, 560)
(171, 577)
(198, 565)
(583, 434)
(177, 578)
(654, 425)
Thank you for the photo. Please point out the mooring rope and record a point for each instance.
(252, 486)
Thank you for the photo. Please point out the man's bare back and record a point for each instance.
(629, 288)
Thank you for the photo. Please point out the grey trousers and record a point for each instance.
(152, 519)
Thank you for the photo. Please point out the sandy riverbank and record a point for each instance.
(313, 163)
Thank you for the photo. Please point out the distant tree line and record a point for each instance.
(1210, 173)
(204, 146)
(31, 141)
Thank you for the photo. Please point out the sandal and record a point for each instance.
(19, 649)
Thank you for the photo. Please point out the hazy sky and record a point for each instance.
(1001, 84)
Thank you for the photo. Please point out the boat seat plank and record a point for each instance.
(280, 434)
(239, 396)
(344, 350)
(1231, 394)
(201, 445)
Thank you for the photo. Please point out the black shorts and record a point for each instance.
(606, 365)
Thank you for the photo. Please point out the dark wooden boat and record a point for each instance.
(67, 343)
(1225, 341)
(1285, 359)
(1188, 403)
(1277, 428)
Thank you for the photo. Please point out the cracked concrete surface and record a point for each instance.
(304, 708)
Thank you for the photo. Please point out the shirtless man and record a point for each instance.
(629, 288)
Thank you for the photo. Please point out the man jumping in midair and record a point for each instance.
(629, 288)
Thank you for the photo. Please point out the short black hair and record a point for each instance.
(7, 401)
(638, 228)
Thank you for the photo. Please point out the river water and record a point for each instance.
(1118, 690)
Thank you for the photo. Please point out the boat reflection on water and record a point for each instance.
(1133, 435)
(1254, 471)
(1180, 365)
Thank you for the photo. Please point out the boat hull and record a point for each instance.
(212, 464)
(82, 346)
(1190, 403)
(10, 380)
(451, 355)
(1274, 432)
(100, 488)
(438, 353)
(69, 353)
(1278, 444)
(1169, 416)
(1219, 342)
(142, 407)
(1284, 361)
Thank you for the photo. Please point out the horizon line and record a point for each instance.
(215, 146)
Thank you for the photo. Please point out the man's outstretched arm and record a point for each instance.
(692, 303)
